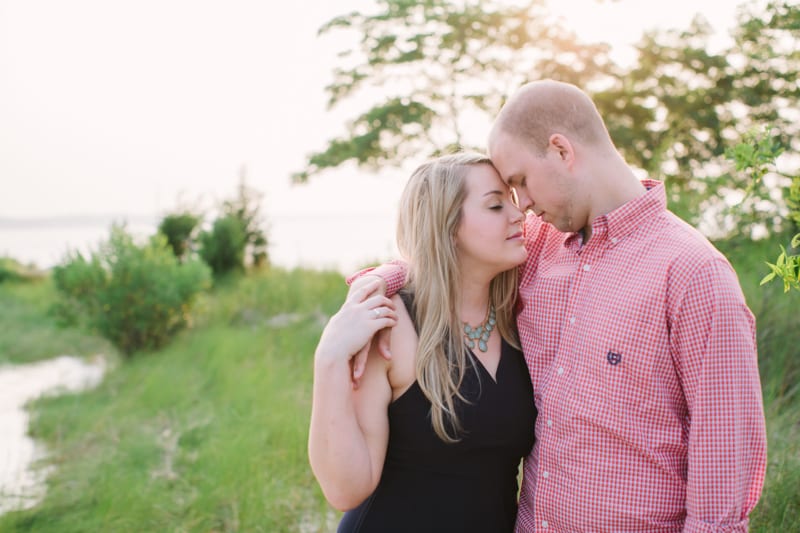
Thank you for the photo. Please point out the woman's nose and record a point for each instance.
(517, 216)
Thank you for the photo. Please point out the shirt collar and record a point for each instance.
(623, 220)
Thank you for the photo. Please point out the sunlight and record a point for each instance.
(620, 23)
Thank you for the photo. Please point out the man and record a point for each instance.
(639, 343)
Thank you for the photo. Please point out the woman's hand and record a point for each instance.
(362, 315)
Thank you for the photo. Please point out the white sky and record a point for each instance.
(111, 106)
(120, 107)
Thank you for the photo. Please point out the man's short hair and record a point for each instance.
(541, 108)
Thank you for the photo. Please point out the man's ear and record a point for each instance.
(561, 146)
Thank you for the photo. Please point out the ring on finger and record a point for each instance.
(377, 312)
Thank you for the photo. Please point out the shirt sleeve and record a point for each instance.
(713, 342)
(393, 273)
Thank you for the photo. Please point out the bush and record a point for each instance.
(12, 270)
(178, 229)
(223, 247)
(135, 296)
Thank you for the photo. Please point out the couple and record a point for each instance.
(636, 338)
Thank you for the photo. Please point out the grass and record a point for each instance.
(28, 332)
(209, 433)
(778, 347)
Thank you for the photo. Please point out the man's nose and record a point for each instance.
(524, 201)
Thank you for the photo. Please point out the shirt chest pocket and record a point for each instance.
(614, 374)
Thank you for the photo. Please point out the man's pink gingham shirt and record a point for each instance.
(642, 355)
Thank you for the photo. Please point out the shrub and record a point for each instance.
(178, 229)
(223, 247)
(135, 296)
(13, 270)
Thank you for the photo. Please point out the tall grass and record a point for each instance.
(778, 324)
(28, 332)
(209, 434)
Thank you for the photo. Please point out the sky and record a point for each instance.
(111, 106)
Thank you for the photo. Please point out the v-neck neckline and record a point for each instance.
(477, 359)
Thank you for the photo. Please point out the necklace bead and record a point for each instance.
(481, 332)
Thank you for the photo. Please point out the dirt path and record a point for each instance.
(22, 486)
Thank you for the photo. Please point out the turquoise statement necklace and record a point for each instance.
(481, 332)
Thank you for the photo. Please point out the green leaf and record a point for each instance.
(766, 279)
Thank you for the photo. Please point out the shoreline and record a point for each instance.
(22, 480)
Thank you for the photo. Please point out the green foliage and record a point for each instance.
(179, 229)
(755, 157)
(675, 112)
(236, 237)
(222, 248)
(12, 270)
(424, 72)
(246, 208)
(786, 267)
(778, 339)
(135, 296)
(438, 65)
(209, 436)
(30, 332)
(203, 447)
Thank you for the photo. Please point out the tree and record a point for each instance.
(237, 233)
(179, 229)
(680, 107)
(245, 207)
(222, 248)
(435, 67)
(666, 113)
(430, 68)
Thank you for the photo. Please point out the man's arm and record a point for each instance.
(393, 275)
(714, 347)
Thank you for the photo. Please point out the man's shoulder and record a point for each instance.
(685, 256)
(683, 242)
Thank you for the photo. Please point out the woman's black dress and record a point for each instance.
(428, 485)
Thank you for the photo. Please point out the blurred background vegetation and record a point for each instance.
(201, 423)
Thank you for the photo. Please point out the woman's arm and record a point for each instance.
(349, 428)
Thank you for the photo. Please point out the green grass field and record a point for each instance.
(209, 434)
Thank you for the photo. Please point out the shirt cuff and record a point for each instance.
(393, 274)
(692, 525)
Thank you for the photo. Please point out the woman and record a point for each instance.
(431, 440)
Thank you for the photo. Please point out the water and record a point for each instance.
(21, 484)
(337, 242)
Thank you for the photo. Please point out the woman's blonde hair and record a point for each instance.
(429, 216)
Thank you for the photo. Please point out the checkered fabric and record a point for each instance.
(642, 355)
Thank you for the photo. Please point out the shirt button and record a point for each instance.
(572, 320)
(614, 240)
(549, 423)
(586, 268)
(545, 475)
(544, 524)
(560, 370)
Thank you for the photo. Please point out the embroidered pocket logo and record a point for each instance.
(613, 358)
